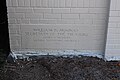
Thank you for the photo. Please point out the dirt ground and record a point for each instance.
(59, 68)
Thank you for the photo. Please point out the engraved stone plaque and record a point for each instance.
(56, 37)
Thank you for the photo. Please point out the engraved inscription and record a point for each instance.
(55, 37)
(43, 34)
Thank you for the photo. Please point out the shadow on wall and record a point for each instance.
(4, 36)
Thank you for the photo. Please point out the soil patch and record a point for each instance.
(60, 68)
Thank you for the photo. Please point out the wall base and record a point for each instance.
(67, 53)
(112, 58)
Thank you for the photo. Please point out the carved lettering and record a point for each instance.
(49, 37)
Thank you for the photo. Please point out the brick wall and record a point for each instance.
(113, 36)
(94, 13)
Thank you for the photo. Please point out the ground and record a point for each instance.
(61, 68)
